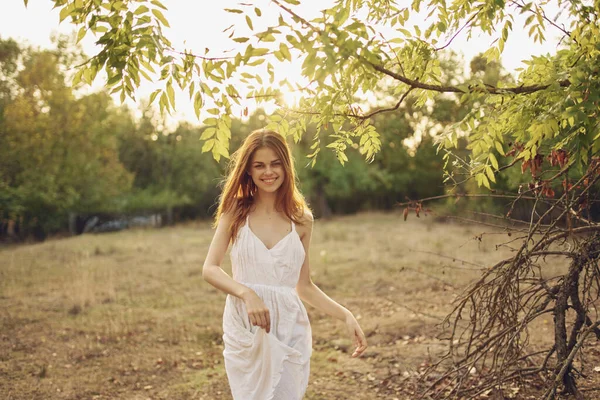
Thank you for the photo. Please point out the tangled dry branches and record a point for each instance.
(488, 329)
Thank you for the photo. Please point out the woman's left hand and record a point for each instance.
(356, 335)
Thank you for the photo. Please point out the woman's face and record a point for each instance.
(266, 169)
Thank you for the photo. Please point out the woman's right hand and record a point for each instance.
(257, 310)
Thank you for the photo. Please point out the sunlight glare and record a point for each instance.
(290, 98)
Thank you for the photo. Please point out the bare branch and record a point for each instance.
(543, 14)
(453, 89)
(459, 31)
(382, 110)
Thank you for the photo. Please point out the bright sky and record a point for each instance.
(196, 25)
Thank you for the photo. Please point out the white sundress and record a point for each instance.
(273, 366)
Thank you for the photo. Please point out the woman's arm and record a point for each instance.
(311, 294)
(212, 271)
(214, 274)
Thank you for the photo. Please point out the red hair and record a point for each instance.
(238, 192)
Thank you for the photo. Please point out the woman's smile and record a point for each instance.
(269, 181)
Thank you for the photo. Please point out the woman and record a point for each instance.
(267, 333)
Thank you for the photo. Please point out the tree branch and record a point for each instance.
(543, 14)
(467, 195)
(453, 89)
(382, 110)
(458, 32)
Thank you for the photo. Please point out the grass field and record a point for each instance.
(127, 315)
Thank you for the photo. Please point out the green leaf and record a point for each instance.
(249, 22)
(114, 80)
(141, 10)
(118, 5)
(499, 148)
(161, 17)
(171, 94)
(99, 29)
(192, 89)
(258, 52)
(25, 1)
(80, 34)
(485, 181)
(223, 135)
(234, 11)
(266, 38)
(208, 145)
(219, 149)
(153, 95)
(163, 102)
(77, 77)
(158, 4)
(208, 133)
(285, 51)
(210, 121)
(198, 104)
(257, 11)
(144, 74)
(64, 13)
(256, 62)
(528, 20)
(490, 173)
(493, 160)
(240, 39)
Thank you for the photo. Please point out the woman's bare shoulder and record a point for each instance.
(226, 217)
(306, 219)
(308, 215)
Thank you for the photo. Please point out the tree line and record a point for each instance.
(64, 152)
(67, 156)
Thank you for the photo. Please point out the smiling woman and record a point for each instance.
(266, 169)
(266, 330)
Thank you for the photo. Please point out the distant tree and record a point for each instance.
(58, 153)
(170, 171)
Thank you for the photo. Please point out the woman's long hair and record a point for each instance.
(239, 190)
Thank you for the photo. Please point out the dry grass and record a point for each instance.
(128, 316)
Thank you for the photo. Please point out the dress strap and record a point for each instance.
(293, 226)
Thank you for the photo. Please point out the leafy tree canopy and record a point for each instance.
(355, 48)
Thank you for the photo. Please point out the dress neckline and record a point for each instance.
(263, 243)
